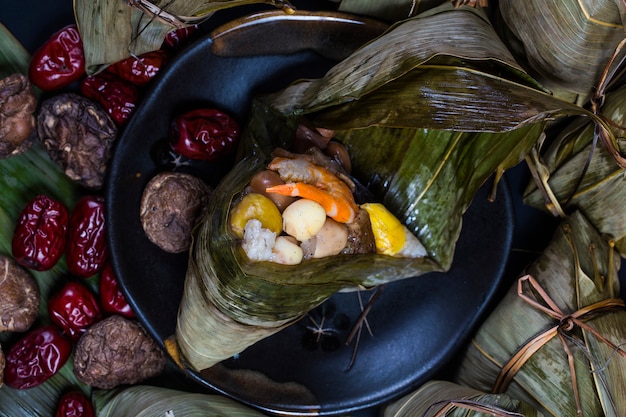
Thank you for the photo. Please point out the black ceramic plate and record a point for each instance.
(416, 324)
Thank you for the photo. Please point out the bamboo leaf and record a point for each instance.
(147, 401)
(439, 398)
(112, 30)
(13, 56)
(566, 43)
(426, 176)
(583, 175)
(444, 69)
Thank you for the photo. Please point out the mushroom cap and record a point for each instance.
(19, 296)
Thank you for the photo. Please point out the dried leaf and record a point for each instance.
(566, 43)
(112, 30)
(582, 175)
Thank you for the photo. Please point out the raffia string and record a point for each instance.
(565, 323)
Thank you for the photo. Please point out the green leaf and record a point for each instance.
(14, 58)
(428, 178)
(147, 401)
(445, 69)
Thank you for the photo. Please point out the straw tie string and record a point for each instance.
(565, 323)
(180, 22)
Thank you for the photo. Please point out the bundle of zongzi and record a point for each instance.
(556, 339)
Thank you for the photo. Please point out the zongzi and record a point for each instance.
(555, 340)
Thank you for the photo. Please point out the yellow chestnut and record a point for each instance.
(255, 206)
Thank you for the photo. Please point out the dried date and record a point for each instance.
(112, 299)
(204, 133)
(74, 308)
(59, 61)
(140, 70)
(3, 362)
(74, 404)
(118, 96)
(78, 135)
(36, 357)
(40, 233)
(86, 250)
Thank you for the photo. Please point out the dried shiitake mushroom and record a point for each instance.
(19, 296)
(79, 136)
(17, 115)
(171, 205)
(360, 235)
(117, 351)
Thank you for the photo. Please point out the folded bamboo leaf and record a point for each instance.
(13, 56)
(112, 30)
(148, 401)
(593, 186)
(565, 306)
(429, 177)
(444, 69)
(439, 398)
(566, 43)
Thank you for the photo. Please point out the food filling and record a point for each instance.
(303, 206)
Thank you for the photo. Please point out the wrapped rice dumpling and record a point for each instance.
(443, 398)
(566, 43)
(557, 338)
(148, 401)
(424, 121)
(236, 296)
(576, 173)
